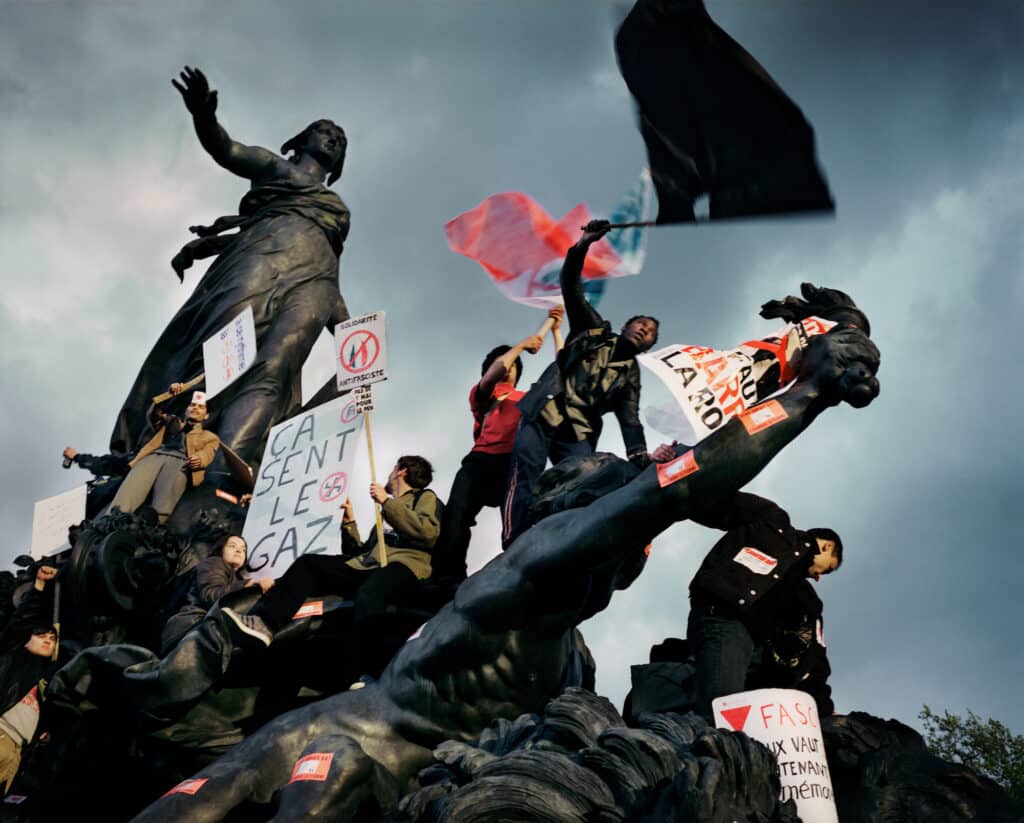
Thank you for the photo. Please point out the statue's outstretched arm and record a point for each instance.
(250, 162)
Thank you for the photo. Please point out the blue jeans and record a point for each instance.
(723, 652)
(535, 442)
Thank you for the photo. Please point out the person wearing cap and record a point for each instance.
(746, 589)
(174, 459)
(27, 659)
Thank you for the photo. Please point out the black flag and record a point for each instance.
(713, 119)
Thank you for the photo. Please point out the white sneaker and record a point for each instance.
(251, 625)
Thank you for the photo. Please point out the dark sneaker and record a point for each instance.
(250, 624)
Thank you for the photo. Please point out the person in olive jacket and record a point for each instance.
(747, 588)
(412, 513)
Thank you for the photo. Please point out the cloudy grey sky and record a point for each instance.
(920, 126)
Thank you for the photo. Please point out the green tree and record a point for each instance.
(987, 747)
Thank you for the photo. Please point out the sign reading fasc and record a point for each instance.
(786, 721)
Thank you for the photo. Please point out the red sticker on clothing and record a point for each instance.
(764, 416)
(223, 495)
(677, 469)
(312, 767)
(188, 786)
(314, 608)
(758, 562)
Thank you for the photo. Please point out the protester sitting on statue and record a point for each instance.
(211, 579)
(482, 480)
(375, 583)
(595, 373)
(27, 660)
(750, 591)
(173, 460)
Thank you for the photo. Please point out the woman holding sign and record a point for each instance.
(282, 262)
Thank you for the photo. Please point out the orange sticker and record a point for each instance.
(223, 495)
(764, 416)
(314, 608)
(677, 469)
(312, 767)
(188, 786)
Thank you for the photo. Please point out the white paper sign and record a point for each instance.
(229, 353)
(713, 386)
(786, 721)
(361, 347)
(301, 484)
(51, 519)
(319, 366)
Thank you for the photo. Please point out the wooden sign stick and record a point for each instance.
(376, 506)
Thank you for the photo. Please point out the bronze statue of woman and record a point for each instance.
(283, 262)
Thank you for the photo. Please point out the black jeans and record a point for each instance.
(377, 595)
(723, 652)
(482, 481)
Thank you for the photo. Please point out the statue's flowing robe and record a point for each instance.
(283, 262)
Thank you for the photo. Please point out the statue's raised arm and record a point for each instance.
(251, 162)
(278, 256)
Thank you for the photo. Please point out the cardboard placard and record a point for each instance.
(786, 721)
(301, 484)
(51, 519)
(361, 348)
(229, 353)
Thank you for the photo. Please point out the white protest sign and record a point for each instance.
(319, 366)
(51, 519)
(301, 484)
(786, 721)
(364, 399)
(229, 353)
(712, 386)
(361, 347)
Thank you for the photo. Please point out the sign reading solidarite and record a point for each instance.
(229, 353)
(786, 721)
(361, 346)
(300, 486)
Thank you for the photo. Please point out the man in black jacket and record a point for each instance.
(594, 374)
(747, 589)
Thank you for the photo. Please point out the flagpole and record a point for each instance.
(634, 224)
(376, 506)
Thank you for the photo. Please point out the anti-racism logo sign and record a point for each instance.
(300, 486)
(362, 352)
(786, 721)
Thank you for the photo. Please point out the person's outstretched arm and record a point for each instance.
(581, 314)
(498, 370)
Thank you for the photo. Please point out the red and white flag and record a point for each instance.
(522, 247)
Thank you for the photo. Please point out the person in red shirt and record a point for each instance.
(483, 478)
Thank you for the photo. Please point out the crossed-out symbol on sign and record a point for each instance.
(333, 486)
(349, 412)
(359, 351)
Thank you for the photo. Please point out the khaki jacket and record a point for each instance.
(198, 443)
(415, 524)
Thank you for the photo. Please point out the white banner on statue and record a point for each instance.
(712, 386)
(786, 721)
(361, 347)
(229, 353)
(51, 519)
(319, 366)
(301, 484)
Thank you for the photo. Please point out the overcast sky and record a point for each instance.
(920, 125)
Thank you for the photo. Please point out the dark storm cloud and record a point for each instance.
(920, 130)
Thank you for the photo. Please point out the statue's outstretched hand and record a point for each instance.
(195, 90)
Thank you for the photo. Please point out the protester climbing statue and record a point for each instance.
(505, 644)
(282, 262)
